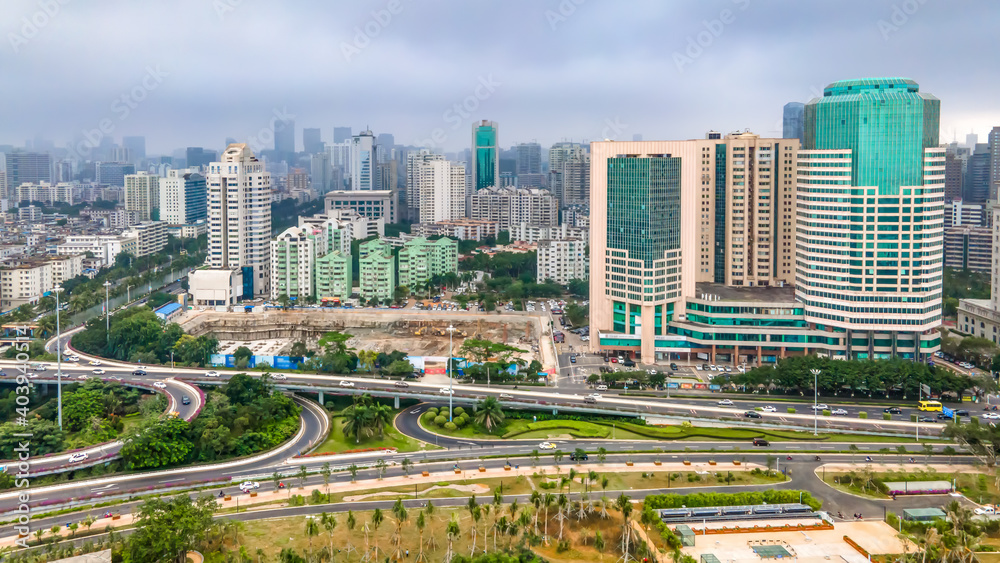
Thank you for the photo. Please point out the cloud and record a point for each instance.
(561, 77)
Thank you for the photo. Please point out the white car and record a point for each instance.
(725, 403)
(446, 391)
(73, 358)
(160, 385)
(839, 412)
(99, 371)
(711, 367)
(819, 407)
(95, 362)
(212, 374)
(768, 408)
(247, 486)
(698, 367)
(78, 457)
(279, 376)
(116, 378)
(83, 376)
(985, 510)
(990, 415)
(595, 396)
(347, 384)
(546, 446)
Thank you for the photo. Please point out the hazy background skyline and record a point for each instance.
(194, 72)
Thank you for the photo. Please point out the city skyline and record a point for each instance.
(657, 70)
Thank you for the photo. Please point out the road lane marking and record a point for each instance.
(172, 480)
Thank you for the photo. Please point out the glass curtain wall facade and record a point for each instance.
(485, 156)
(871, 216)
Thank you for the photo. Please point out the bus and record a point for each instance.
(933, 406)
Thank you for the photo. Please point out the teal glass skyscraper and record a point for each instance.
(870, 221)
(485, 155)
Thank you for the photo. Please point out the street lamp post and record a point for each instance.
(57, 289)
(815, 373)
(128, 294)
(451, 378)
(107, 312)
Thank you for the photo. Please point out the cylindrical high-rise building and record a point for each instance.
(870, 220)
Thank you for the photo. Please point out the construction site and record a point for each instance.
(417, 333)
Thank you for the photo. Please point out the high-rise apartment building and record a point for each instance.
(559, 155)
(183, 197)
(364, 162)
(792, 121)
(312, 141)
(239, 218)
(27, 168)
(342, 134)
(334, 276)
(376, 271)
(113, 173)
(441, 187)
(562, 260)
(142, 196)
(414, 161)
(871, 215)
(977, 177)
(46, 193)
(284, 138)
(297, 180)
(485, 156)
(513, 206)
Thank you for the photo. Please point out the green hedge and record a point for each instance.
(735, 499)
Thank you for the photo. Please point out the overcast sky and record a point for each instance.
(193, 72)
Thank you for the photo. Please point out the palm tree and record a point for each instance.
(377, 519)
(356, 422)
(497, 503)
(381, 416)
(421, 523)
(326, 471)
(399, 512)
(624, 505)
(536, 500)
(329, 522)
(562, 503)
(485, 508)
(312, 529)
(548, 500)
(489, 413)
(453, 531)
(473, 507)
(351, 522)
(524, 522)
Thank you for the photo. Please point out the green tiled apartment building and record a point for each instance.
(420, 259)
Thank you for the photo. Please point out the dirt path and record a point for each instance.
(477, 489)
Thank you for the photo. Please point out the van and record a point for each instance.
(589, 400)
(601, 387)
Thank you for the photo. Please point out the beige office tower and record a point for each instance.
(239, 218)
(666, 215)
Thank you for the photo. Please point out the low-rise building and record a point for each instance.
(421, 259)
(562, 260)
(215, 288)
(24, 282)
(47, 193)
(373, 204)
(461, 229)
(104, 247)
(535, 233)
